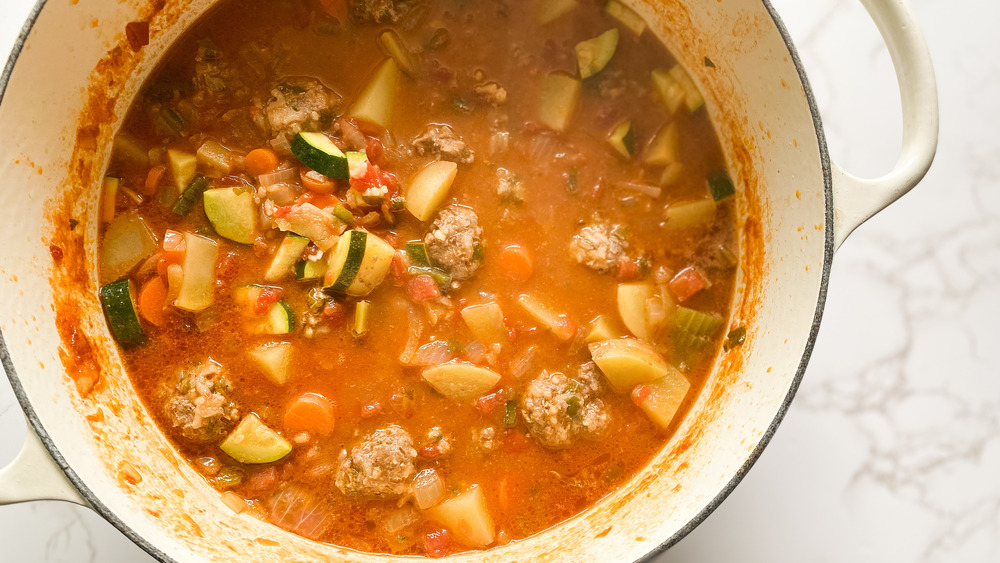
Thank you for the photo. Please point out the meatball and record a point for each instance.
(380, 466)
(455, 241)
(198, 403)
(558, 410)
(300, 104)
(492, 93)
(444, 143)
(509, 187)
(598, 247)
(215, 78)
(376, 11)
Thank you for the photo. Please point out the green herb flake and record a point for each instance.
(573, 406)
(735, 338)
(510, 414)
(477, 253)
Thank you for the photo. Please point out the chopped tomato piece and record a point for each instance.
(374, 177)
(374, 150)
(260, 482)
(333, 310)
(437, 543)
(282, 211)
(687, 282)
(268, 296)
(628, 270)
(371, 410)
(422, 288)
(640, 394)
(487, 403)
(398, 269)
(173, 247)
(429, 452)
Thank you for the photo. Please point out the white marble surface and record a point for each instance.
(891, 451)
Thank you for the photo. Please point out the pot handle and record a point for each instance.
(34, 475)
(857, 199)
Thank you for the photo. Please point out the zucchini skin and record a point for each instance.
(352, 264)
(118, 301)
(323, 160)
(185, 203)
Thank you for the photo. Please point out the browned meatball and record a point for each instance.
(455, 241)
(380, 466)
(558, 409)
(444, 143)
(198, 403)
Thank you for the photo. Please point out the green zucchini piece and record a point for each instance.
(626, 16)
(559, 98)
(440, 277)
(594, 54)
(720, 186)
(665, 147)
(359, 262)
(318, 152)
(233, 213)
(551, 10)
(343, 214)
(416, 251)
(285, 259)
(357, 163)
(307, 270)
(279, 319)
(622, 139)
(254, 442)
(119, 301)
(692, 332)
(190, 195)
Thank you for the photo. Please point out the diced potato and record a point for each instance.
(275, 360)
(661, 398)
(627, 362)
(460, 381)
(559, 98)
(626, 16)
(128, 148)
(466, 517)
(601, 329)
(665, 147)
(692, 96)
(377, 102)
(183, 167)
(198, 287)
(486, 323)
(127, 242)
(429, 187)
(216, 158)
(254, 442)
(108, 199)
(551, 10)
(232, 213)
(632, 307)
(560, 325)
(684, 214)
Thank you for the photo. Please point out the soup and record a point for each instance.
(417, 277)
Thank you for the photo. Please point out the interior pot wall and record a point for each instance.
(74, 75)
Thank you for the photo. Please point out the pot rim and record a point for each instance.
(35, 424)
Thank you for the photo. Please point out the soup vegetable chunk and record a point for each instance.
(417, 277)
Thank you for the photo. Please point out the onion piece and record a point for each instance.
(428, 488)
(416, 330)
(353, 135)
(234, 502)
(283, 176)
(521, 363)
(474, 351)
(433, 353)
(652, 191)
(296, 510)
(401, 518)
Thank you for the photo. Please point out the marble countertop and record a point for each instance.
(891, 450)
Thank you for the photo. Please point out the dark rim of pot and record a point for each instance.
(142, 542)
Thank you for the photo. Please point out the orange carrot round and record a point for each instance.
(316, 182)
(312, 413)
(261, 161)
(515, 263)
(153, 179)
(153, 301)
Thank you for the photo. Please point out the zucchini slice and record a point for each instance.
(118, 299)
(308, 270)
(665, 147)
(622, 139)
(254, 442)
(626, 16)
(232, 213)
(358, 264)
(559, 98)
(279, 319)
(318, 152)
(285, 259)
(594, 54)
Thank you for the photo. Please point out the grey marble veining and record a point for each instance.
(891, 451)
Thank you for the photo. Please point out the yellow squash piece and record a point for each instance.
(627, 362)
(460, 381)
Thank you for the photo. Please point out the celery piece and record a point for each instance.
(361, 314)
(693, 331)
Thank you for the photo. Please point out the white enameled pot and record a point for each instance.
(70, 81)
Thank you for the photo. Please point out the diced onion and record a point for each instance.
(433, 353)
(521, 363)
(428, 489)
(412, 338)
(474, 351)
(401, 518)
(234, 501)
(352, 135)
(295, 509)
(652, 191)
(283, 176)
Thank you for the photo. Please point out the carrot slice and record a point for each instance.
(174, 246)
(516, 263)
(316, 182)
(153, 301)
(261, 161)
(312, 413)
(153, 180)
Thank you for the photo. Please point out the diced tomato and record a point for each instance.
(226, 265)
(640, 394)
(333, 310)
(422, 288)
(429, 452)
(374, 177)
(371, 409)
(268, 296)
(261, 482)
(628, 270)
(282, 211)
(153, 179)
(487, 403)
(514, 442)
(437, 543)
(398, 269)
(374, 150)
(686, 283)
(173, 247)
(392, 239)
